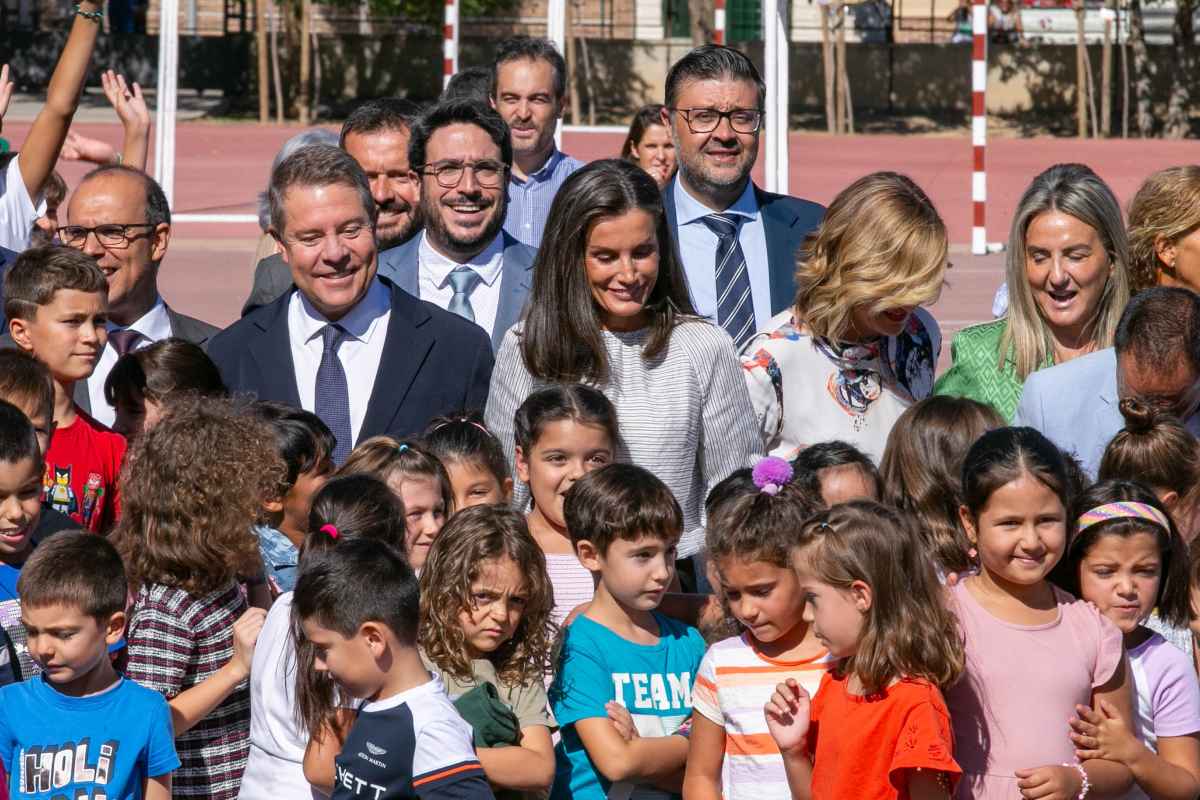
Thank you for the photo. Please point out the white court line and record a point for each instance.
(218, 218)
(595, 128)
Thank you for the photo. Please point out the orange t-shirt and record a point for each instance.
(864, 746)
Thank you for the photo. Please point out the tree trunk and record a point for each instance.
(305, 87)
(1080, 74)
(1178, 122)
(827, 63)
(1143, 71)
(587, 78)
(276, 78)
(1124, 88)
(572, 93)
(316, 62)
(702, 27)
(1106, 82)
(1091, 93)
(264, 69)
(846, 112)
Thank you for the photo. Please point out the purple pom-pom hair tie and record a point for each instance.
(771, 474)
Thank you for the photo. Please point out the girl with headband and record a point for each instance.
(1129, 560)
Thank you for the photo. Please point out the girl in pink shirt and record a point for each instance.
(1034, 652)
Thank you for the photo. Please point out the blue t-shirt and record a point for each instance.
(653, 682)
(57, 747)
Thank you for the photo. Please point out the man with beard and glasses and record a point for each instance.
(345, 344)
(376, 136)
(464, 261)
(737, 242)
(529, 90)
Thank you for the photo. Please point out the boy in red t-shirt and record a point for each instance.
(56, 301)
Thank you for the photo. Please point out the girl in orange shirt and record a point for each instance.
(878, 727)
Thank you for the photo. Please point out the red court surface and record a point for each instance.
(222, 166)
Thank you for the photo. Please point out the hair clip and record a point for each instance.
(400, 448)
(771, 474)
(331, 530)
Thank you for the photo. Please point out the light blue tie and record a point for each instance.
(463, 280)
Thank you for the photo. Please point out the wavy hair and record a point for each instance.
(1075, 190)
(882, 245)
(922, 470)
(1167, 208)
(562, 340)
(471, 539)
(192, 488)
(908, 632)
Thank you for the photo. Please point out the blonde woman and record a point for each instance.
(1068, 282)
(1164, 230)
(857, 348)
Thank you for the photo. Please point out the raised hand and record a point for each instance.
(78, 147)
(6, 93)
(127, 101)
(787, 715)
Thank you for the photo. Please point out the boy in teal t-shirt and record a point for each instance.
(625, 525)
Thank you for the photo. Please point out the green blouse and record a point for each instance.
(974, 372)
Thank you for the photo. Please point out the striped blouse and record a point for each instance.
(176, 640)
(733, 684)
(684, 416)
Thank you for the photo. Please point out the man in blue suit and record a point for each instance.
(1155, 358)
(464, 261)
(362, 354)
(738, 243)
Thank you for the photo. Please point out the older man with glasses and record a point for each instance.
(737, 242)
(464, 261)
(119, 216)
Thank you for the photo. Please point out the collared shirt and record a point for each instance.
(529, 200)
(360, 353)
(281, 558)
(433, 279)
(698, 247)
(154, 326)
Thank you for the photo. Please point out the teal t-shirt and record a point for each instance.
(654, 682)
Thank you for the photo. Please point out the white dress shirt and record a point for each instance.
(154, 326)
(698, 247)
(433, 279)
(360, 352)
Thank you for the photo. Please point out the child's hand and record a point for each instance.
(621, 720)
(1103, 734)
(1049, 783)
(245, 636)
(6, 92)
(84, 148)
(787, 715)
(130, 105)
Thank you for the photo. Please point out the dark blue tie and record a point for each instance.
(333, 394)
(735, 306)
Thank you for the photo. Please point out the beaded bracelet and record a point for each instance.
(1087, 784)
(94, 16)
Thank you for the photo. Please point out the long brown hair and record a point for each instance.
(908, 632)
(562, 340)
(922, 470)
(192, 489)
(472, 538)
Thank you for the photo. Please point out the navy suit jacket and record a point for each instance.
(433, 363)
(787, 221)
(516, 276)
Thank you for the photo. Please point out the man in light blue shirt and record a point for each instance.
(529, 89)
(738, 243)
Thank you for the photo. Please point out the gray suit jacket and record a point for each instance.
(273, 279)
(516, 277)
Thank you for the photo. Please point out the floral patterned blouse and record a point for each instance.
(806, 389)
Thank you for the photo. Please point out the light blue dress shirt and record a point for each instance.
(698, 248)
(529, 200)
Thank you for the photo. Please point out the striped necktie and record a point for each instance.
(735, 306)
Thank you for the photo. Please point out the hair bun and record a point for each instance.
(1140, 417)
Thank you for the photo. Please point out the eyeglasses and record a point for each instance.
(706, 120)
(114, 235)
(488, 174)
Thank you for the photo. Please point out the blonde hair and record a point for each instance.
(1167, 207)
(1075, 190)
(881, 244)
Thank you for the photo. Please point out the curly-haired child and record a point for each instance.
(485, 629)
(196, 483)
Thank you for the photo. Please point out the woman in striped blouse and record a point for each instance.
(609, 307)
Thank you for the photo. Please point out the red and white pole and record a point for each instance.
(718, 21)
(979, 20)
(450, 42)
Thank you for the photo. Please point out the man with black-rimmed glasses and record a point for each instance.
(119, 216)
(737, 241)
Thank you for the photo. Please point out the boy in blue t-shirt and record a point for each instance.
(621, 656)
(80, 730)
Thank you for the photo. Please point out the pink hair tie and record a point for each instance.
(331, 530)
(771, 474)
